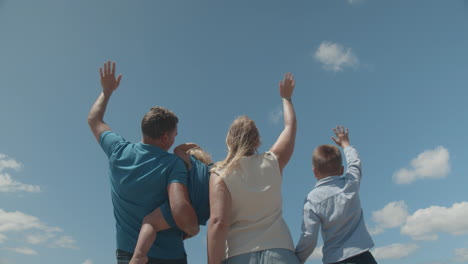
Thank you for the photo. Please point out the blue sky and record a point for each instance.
(394, 72)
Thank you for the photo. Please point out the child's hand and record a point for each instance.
(342, 139)
(287, 85)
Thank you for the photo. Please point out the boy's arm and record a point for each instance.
(109, 84)
(352, 158)
(152, 223)
(310, 229)
(284, 145)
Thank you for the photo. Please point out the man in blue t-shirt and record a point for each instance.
(143, 176)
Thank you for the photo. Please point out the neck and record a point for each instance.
(154, 142)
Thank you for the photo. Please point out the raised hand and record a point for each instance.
(342, 138)
(287, 85)
(108, 81)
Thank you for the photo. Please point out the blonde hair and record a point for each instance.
(200, 155)
(242, 140)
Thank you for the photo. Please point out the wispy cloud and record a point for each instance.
(276, 115)
(392, 215)
(335, 57)
(461, 255)
(24, 251)
(3, 238)
(88, 261)
(44, 235)
(430, 164)
(394, 251)
(7, 183)
(424, 224)
(353, 2)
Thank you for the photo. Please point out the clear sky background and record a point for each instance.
(394, 72)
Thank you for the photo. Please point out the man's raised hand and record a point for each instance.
(108, 81)
(342, 138)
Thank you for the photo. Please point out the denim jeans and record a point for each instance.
(124, 257)
(268, 256)
(363, 258)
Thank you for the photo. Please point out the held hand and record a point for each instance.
(183, 148)
(287, 85)
(108, 81)
(342, 139)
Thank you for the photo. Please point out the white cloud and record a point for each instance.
(8, 163)
(64, 242)
(392, 215)
(45, 235)
(7, 184)
(3, 238)
(276, 115)
(461, 255)
(431, 164)
(18, 221)
(24, 251)
(394, 251)
(335, 57)
(88, 261)
(425, 223)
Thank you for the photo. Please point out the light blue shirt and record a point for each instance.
(334, 205)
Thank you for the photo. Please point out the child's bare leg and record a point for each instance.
(152, 223)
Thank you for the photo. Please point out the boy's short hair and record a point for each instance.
(327, 160)
(158, 121)
(200, 155)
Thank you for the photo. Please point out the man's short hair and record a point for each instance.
(327, 160)
(158, 121)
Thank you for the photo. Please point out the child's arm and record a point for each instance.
(152, 223)
(181, 152)
(284, 145)
(352, 158)
(310, 229)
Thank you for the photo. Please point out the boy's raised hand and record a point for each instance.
(108, 81)
(287, 85)
(342, 138)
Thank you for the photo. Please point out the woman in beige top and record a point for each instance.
(246, 224)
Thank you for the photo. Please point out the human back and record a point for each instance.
(257, 222)
(139, 175)
(245, 194)
(143, 175)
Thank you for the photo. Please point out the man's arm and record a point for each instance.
(182, 211)
(109, 84)
(284, 145)
(220, 219)
(352, 158)
(310, 229)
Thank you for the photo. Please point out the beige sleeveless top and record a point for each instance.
(257, 222)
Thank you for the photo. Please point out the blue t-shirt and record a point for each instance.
(139, 176)
(198, 183)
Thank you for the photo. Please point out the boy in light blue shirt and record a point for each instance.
(334, 206)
